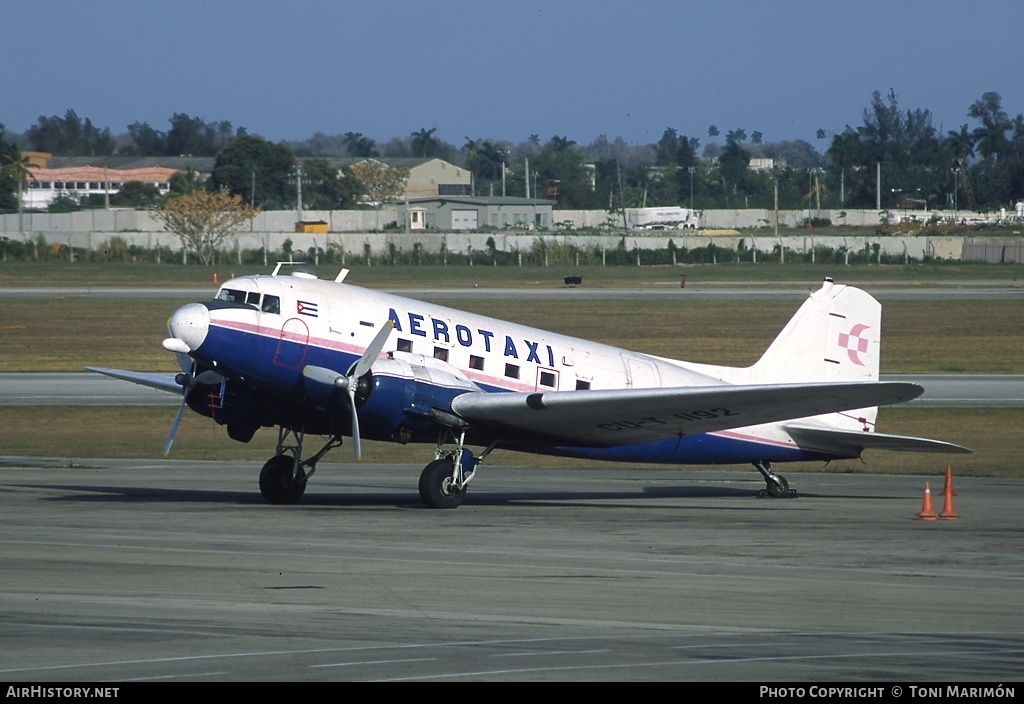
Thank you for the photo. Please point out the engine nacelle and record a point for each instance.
(408, 395)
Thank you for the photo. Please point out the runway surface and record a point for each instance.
(550, 288)
(140, 570)
(89, 389)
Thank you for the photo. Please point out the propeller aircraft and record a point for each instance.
(325, 358)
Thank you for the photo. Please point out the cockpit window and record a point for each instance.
(231, 295)
(253, 298)
(271, 304)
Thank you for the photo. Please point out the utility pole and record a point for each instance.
(878, 186)
(775, 183)
(956, 177)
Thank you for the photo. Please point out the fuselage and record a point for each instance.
(261, 332)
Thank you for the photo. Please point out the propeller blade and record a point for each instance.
(325, 376)
(360, 369)
(207, 377)
(174, 427)
(373, 351)
(184, 361)
(357, 448)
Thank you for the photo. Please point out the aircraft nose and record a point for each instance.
(189, 324)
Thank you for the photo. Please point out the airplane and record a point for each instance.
(319, 357)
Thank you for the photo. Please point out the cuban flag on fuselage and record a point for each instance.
(306, 308)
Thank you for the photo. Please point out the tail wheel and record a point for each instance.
(778, 487)
(277, 483)
(436, 487)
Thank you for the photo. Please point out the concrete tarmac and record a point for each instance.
(119, 570)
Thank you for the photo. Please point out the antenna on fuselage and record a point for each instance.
(291, 262)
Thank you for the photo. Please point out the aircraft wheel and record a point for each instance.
(436, 488)
(778, 487)
(276, 482)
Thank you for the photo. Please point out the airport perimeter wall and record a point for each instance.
(353, 231)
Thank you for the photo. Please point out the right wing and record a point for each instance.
(625, 416)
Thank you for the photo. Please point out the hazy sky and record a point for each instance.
(506, 70)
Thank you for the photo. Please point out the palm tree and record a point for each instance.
(560, 144)
(839, 153)
(489, 160)
(990, 138)
(471, 146)
(358, 145)
(424, 143)
(19, 167)
(960, 143)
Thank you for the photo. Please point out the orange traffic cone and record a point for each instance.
(948, 514)
(215, 277)
(948, 489)
(927, 512)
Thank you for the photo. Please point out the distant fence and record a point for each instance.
(994, 252)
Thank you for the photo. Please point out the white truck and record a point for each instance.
(661, 218)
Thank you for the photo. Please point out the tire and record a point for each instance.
(778, 487)
(434, 489)
(276, 483)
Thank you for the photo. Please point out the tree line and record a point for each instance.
(893, 155)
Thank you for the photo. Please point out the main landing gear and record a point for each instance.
(777, 486)
(443, 481)
(283, 478)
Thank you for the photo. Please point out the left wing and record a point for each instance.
(161, 382)
(625, 416)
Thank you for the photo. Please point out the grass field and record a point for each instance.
(66, 333)
(44, 275)
(80, 433)
(48, 332)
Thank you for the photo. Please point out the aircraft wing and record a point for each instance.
(161, 382)
(846, 440)
(621, 417)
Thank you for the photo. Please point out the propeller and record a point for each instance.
(350, 382)
(188, 380)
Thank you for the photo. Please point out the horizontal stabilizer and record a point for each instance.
(161, 382)
(625, 416)
(846, 440)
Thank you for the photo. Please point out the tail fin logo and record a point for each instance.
(854, 344)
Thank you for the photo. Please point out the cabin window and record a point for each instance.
(404, 345)
(271, 304)
(476, 362)
(582, 385)
(253, 298)
(512, 371)
(441, 353)
(547, 379)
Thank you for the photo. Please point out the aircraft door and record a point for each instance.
(291, 347)
(642, 373)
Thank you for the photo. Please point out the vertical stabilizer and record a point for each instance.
(834, 336)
